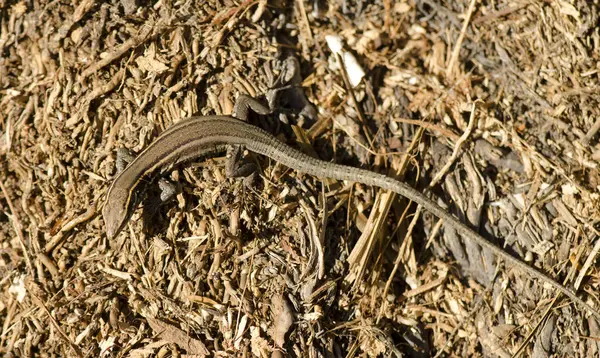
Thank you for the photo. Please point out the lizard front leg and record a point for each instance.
(237, 165)
(167, 189)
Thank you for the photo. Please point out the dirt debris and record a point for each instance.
(493, 107)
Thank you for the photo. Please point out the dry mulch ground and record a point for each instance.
(490, 107)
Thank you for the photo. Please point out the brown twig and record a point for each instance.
(17, 227)
(448, 133)
(457, 148)
(56, 239)
(133, 42)
(53, 321)
(453, 60)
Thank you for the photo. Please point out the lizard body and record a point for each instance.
(200, 137)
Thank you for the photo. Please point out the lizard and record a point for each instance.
(205, 136)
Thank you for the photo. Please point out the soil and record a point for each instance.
(491, 108)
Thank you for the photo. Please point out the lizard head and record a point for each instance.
(115, 211)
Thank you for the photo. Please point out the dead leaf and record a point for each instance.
(283, 319)
(175, 335)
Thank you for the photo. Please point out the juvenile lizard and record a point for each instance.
(201, 137)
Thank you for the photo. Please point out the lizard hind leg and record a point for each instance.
(237, 166)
